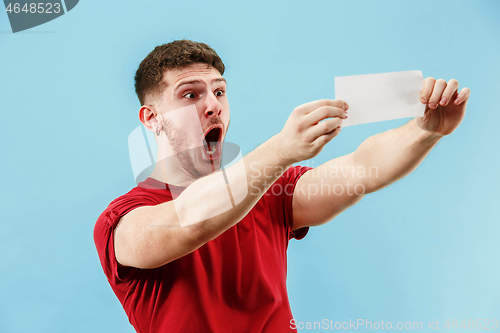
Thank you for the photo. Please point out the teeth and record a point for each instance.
(211, 152)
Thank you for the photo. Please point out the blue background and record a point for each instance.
(425, 248)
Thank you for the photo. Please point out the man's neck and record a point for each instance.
(170, 174)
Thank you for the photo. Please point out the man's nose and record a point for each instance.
(213, 106)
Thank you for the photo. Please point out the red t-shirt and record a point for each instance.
(234, 283)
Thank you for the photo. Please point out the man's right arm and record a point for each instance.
(152, 236)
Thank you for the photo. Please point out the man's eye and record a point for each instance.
(190, 95)
(219, 93)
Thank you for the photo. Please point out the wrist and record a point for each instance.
(423, 135)
(279, 156)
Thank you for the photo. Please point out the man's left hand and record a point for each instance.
(445, 106)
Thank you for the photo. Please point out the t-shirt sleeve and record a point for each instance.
(104, 234)
(290, 179)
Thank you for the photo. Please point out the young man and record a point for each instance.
(178, 256)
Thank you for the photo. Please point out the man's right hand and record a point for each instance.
(310, 127)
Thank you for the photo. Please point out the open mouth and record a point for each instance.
(212, 142)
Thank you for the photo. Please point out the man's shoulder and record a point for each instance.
(293, 173)
(147, 193)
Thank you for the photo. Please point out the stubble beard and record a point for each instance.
(185, 158)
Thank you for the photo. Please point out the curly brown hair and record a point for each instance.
(174, 55)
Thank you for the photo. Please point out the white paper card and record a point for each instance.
(378, 97)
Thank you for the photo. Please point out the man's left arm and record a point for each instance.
(324, 192)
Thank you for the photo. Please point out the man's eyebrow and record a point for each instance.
(219, 79)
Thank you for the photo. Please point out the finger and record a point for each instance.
(426, 92)
(463, 95)
(323, 112)
(311, 106)
(448, 93)
(437, 92)
(327, 137)
(322, 128)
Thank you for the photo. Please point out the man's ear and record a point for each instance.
(148, 117)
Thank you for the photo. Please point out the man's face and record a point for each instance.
(196, 144)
